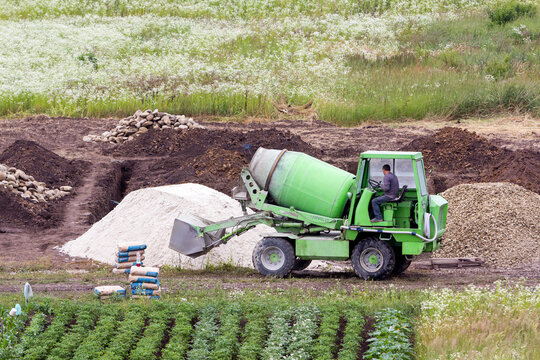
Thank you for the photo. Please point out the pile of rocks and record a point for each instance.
(499, 222)
(27, 187)
(140, 122)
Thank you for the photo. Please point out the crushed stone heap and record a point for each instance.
(140, 122)
(147, 216)
(499, 222)
(18, 182)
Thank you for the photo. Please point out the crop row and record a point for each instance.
(226, 331)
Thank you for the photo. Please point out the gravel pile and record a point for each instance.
(139, 123)
(499, 222)
(18, 182)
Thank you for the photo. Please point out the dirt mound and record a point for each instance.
(196, 141)
(210, 157)
(499, 222)
(453, 156)
(455, 149)
(17, 212)
(42, 164)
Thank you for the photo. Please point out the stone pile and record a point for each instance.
(27, 187)
(140, 122)
(499, 222)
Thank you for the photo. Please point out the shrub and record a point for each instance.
(500, 69)
(510, 11)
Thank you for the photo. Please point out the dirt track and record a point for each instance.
(102, 173)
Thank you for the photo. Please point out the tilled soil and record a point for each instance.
(103, 173)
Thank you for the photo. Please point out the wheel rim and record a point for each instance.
(371, 259)
(273, 258)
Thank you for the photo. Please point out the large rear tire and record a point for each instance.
(402, 263)
(300, 264)
(273, 257)
(373, 259)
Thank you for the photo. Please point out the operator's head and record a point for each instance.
(386, 169)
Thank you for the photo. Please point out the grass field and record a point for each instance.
(475, 323)
(356, 61)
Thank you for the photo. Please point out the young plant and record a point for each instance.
(204, 335)
(390, 339)
(46, 340)
(303, 333)
(180, 334)
(85, 322)
(326, 347)
(227, 340)
(94, 344)
(353, 336)
(254, 334)
(279, 339)
(127, 334)
(148, 347)
(28, 338)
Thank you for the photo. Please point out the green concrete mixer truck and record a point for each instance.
(321, 212)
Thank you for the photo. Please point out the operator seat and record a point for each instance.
(401, 195)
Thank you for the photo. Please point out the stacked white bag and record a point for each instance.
(145, 282)
(129, 255)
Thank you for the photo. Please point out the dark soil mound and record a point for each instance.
(196, 141)
(454, 156)
(210, 157)
(17, 212)
(42, 164)
(456, 150)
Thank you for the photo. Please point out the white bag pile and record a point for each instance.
(145, 282)
(129, 255)
(105, 292)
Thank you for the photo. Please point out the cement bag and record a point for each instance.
(126, 265)
(128, 259)
(109, 290)
(131, 247)
(122, 254)
(135, 278)
(142, 285)
(145, 271)
(121, 271)
(148, 292)
(145, 297)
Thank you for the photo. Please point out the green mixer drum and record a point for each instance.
(302, 181)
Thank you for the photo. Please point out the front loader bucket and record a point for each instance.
(188, 238)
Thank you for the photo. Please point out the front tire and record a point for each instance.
(373, 259)
(273, 257)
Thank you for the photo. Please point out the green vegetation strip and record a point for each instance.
(180, 333)
(353, 335)
(326, 346)
(205, 333)
(390, 339)
(303, 333)
(96, 342)
(150, 344)
(279, 338)
(127, 334)
(46, 340)
(254, 335)
(86, 320)
(227, 341)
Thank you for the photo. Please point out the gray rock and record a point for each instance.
(147, 124)
(66, 188)
(166, 120)
(142, 130)
(3, 168)
(2, 175)
(150, 117)
(183, 127)
(11, 178)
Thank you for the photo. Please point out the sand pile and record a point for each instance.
(499, 222)
(147, 216)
